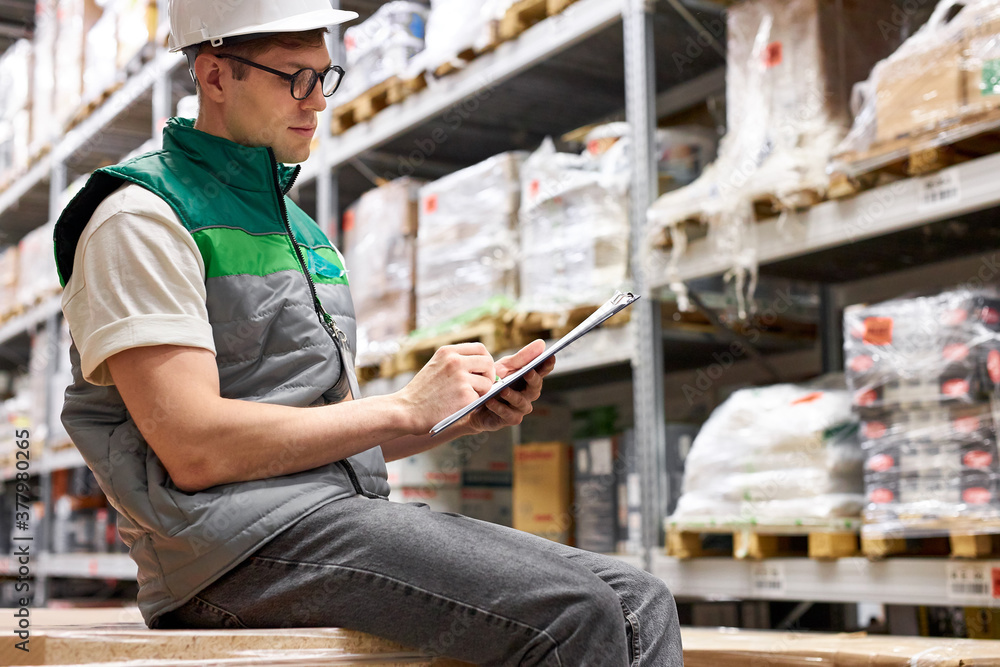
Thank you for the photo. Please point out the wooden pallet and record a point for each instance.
(493, 332)
(827, 542)
(363, 107)
(456, 63)
(765, 205)
(556, 6)
(968, 138)
(965, 539)
(521, 16)
(526, 327)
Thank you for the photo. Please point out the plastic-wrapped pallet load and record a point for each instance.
(574, 231)
(779, 455)
(941, 81)
(383, 46)
(467, 244)
(790, 68)
(380, 234)
(923, 372)
(459, 26)
(9, 272)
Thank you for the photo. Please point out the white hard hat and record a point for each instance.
(196, 21)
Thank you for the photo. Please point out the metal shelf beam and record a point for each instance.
(903, 581)
(902, 205)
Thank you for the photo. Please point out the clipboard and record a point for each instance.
(617, 303)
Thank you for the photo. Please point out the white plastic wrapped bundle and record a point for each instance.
(778, 455)
(454, 26)
(467, 245)
(380, 247)
(383, 46)
(574, 231)
(937, 83)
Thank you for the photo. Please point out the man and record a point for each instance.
(214, 395)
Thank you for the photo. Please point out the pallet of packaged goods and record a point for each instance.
(789, 88)
(775, 471)
(824, 541)
(380, 55)
(923, 374)
(933, 103)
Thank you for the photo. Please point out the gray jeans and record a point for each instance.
(447, 584)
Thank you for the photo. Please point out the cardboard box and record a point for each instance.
(982, 63)
(918, 92)
(543, 490)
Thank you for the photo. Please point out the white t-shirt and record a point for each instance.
(138, 280)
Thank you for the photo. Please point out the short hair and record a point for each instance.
(251, 48)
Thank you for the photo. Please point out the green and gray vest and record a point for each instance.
(272, 346)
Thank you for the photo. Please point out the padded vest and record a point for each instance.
(272, 346)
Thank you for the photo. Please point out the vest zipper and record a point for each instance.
(328, 323)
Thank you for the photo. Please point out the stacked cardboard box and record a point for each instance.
(944, 76)
(923, 372)
(380, 235)
(543, 490)
(467, 245)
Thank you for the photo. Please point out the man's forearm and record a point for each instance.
(243, 441)
(408, 445)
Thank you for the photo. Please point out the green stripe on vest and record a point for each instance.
(234, 252)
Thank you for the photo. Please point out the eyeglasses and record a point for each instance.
(303, 81)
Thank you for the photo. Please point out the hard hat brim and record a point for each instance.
(300, 23)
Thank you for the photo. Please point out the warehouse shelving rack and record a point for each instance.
(589, 31)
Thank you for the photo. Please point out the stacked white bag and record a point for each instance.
(781, 455)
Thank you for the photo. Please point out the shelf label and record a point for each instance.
(768, 579)
(939, 190)
(979, 582)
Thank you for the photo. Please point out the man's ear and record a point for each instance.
(211, 77)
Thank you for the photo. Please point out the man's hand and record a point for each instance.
(516, 403)
(454, 377)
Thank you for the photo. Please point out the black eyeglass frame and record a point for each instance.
(320, 77)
